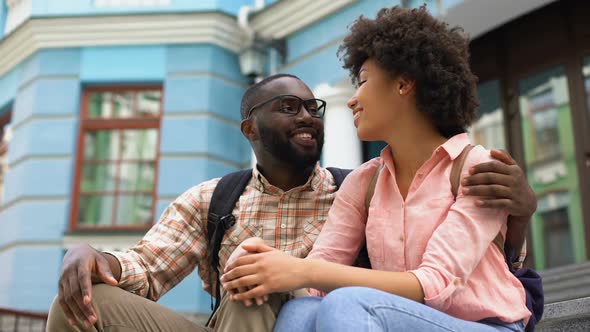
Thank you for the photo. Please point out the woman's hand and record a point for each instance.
(241, 252)
(266, 270)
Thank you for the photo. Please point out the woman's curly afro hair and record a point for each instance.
(412, 43)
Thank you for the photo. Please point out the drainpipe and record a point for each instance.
(253, 53)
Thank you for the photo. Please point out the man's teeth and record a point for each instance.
(357, 115)
(304, 135)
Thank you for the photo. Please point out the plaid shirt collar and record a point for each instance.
(314, 182)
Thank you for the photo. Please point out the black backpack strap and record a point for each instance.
(339, 175)
(220, 219)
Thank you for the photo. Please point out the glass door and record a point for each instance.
(550, 156)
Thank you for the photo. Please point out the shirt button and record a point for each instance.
(401, 238)
(457, 282)
(283, 226)
(236, 238)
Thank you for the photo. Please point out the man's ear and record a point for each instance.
(249, 129)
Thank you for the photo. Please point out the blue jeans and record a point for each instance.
(365, 309)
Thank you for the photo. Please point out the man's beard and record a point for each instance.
(285, 151)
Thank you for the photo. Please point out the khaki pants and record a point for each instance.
(121, 311)
(235, 316)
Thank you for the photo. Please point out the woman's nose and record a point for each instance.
(352, 102)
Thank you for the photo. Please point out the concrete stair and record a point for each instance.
(567, 299)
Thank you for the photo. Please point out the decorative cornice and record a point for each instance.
(286, 17)
(39, 33)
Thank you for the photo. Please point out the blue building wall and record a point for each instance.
(2, 17)
(200, 138)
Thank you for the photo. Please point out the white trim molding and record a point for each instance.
(286, 17)
(40, 33)
(102, 242)
(126, 3)
(18, 12)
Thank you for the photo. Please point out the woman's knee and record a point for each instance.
(300, 306)
(298, 314)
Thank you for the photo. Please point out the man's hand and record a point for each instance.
(241, 252)
(503, 184)
(83, 266)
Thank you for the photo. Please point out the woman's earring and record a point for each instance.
(401, 91)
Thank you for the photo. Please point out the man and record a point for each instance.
(285, 203)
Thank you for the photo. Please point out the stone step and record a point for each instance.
(566, 283)
(570, 316)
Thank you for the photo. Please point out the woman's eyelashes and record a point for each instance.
(360, 83)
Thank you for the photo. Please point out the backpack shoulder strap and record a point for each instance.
(339, 175)
(225, 196)
(371, 188)
(220, 219)
(455, 178)
(458, 163)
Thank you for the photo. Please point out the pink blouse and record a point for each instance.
(446, 244)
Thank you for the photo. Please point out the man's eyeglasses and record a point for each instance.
(291, 105)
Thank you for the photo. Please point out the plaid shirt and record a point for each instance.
(289, 221)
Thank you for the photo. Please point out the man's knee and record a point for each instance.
(102, 295)
(57, 321)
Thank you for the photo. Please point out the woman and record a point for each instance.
(416, 92)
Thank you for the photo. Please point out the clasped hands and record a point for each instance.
(254, 270)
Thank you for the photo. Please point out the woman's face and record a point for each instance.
(375, 102)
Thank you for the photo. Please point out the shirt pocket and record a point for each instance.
(240, 231)
(375, 234)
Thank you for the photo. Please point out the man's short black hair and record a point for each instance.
(254, 90)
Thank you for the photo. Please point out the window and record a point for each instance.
(558, 241)
(4, 138)
(544, 96)
(117, 158)
(488, 128)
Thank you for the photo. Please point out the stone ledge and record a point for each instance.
(570, 316)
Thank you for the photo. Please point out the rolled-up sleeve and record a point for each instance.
(458, 245)
(168, 252)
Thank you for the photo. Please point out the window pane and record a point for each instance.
(139, 144)
(124, 104)
(149, 102)
(101, 145)
(488, 128)
(140, 103)
(96, 210)
(551, 167)
(557, 238)
(136, 177)
(99, 177)
(101, 105)
(134, 209)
